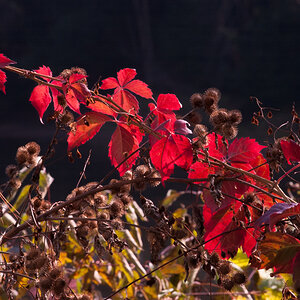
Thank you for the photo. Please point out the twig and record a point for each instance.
(84, 168)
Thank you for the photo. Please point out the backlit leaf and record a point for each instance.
(278, 250)
(40, 97)
(86, 128)
(291, 150)
(171, 150)
(122, 144)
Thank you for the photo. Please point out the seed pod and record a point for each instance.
(45, 283)
(141, 171)
(117, 209)
(228, 284)
(239, 278)
(58, 286)
(11, 170)
(22, 155)
(224, 267)
(33, 148)
(197, 100)
(33, 253)
(155, 174)
(214, 259)
(219, 117)
(235, 117)
(54, 273)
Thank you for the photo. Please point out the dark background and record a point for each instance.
(243, 47)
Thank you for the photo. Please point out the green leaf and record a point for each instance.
(22, 197)
(45, 181)
(171, 197)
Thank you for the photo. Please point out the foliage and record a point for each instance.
(236, 218)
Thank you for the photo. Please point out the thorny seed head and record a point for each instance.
(235, 117)
(33, 148)
(22, 155)
(117, 224)
(65, 74)
(33, 253)
(214, 259)
(58, 286)
(116, 209)
(55, 273)
(219, 117)
(155, 174)
(227, 283)
(224, 267)
(239, 278)
(11, 170)
(197, 100)
(45, 283)
(15, 183)
(229, 131)
(141, 171)
(126, 199)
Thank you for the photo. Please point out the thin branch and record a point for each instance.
(84, 168)
(169, 261)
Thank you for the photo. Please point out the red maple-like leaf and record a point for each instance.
(166, 103)
(291, 150)
(243, 150)
(86, 128)
(40, 97)
(279, 251)
(124, 141)
(100, 106)
(224, 233)
(2, 81)
(278, 212)
(4, 61)
(123, 85)
(76, 91)
(171, 150)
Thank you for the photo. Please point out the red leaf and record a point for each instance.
(72, 100)
(291, 151)
(123, 143)
(279, 250)
(86, 128)
(2, 81)
(126, 100)
(109, 83)
(278, 212)
(168, 101)
(40, 98)
(123, 85)
(171, 150)
(101, 107)
(224, 234)
(5, 61)
(263, 170)
(200, 170)
(55, 93)
(44, 71)
(140, 88)
(244, 150)
(216, 147)
(125, 75)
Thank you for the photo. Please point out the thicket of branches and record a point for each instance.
(107, 240)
